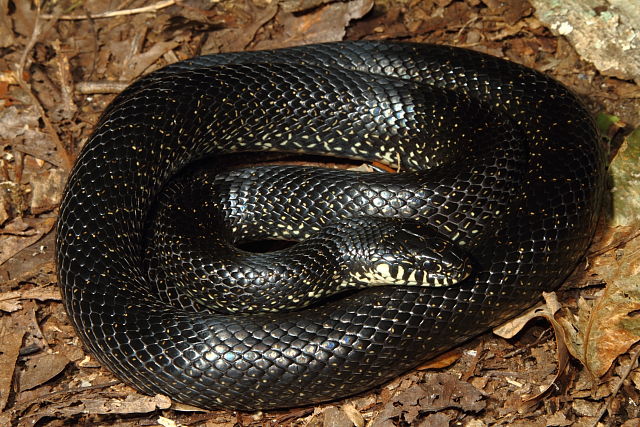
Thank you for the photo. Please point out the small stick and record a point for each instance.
(151, 8)
(89, 88)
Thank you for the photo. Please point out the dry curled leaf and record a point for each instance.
(548, 312)
(605, 328)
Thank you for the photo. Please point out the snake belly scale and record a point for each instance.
(516, 186)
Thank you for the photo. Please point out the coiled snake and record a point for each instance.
(503, 177)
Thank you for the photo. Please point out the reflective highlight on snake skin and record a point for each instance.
(501, 162)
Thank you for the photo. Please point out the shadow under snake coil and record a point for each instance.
(503, 173)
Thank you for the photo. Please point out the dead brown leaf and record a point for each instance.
(605, 328)
(548, 312)
(323, 24)
(68, 409)
(6, 34)
(13, 330)
(21, 127)
(133, 404)
(333, 416)
(19, 234)
(11, 339)
(12, 200)
(46, 190)
(24, 17)
(40, 368)
(513, 327)
(66, 108)
(380, 23)
(237, 39)
(43, 293)
(142, 61)
(511, 11)
(437, 392)
(353, 414)
(10, 301)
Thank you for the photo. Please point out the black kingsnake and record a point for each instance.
(512, 181)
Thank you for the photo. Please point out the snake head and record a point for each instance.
(414, 254)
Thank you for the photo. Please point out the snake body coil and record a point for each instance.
(503, 162)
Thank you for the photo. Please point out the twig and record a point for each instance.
(90, 88)
(464, 27)
(35, 34)
(124, 12)
(614, 392)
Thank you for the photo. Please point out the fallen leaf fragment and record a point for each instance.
(14, 239)
(7, 37)
(605, 328)
(11, 339)
(513, 327)
(333, 416)
(354, 415)
(322, 24)
(40, 368)
(624, 170)
(439, 391)
(142, 61)
(610, 327)
(132, 404)
(238, 39)
(71, 407)
(47, 189)
(21, 127)
(10, 301)
(16, 331)
(167, 422)
(546, 311)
